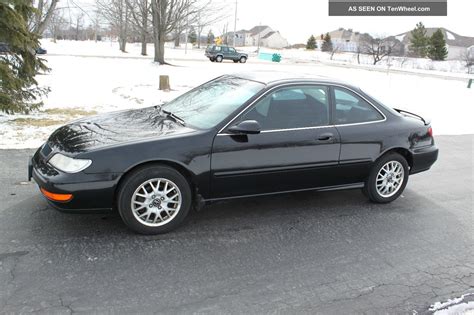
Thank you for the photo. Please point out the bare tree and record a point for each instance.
(78, 25)
(378, 48)
(468, 61)
(57, 24)
(166, 15)
(208, 12)
(44, 12)
(333, 50)
(140, 17)
(117, 13)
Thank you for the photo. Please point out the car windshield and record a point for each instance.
(207, 105)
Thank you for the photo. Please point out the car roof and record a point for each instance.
(271, 77)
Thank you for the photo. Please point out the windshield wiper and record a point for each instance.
(175, 117)
(169, 114)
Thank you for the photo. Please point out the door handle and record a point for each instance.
(325, 136)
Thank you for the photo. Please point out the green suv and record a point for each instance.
(219, 53)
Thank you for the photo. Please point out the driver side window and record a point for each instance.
(291, 107)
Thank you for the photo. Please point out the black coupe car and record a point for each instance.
(234, 136)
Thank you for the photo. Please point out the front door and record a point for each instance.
(296, 149)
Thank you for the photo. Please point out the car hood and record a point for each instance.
(114, 128)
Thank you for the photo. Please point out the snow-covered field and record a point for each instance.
(88, 78)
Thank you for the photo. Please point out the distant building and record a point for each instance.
(262, 34)
(470, 53)
(347, 40)
(456, 44)
(344, 40)
(273, 40)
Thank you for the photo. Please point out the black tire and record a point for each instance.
(134, 180)
(212, 59)
(243, 59)
(219, 58)
(235, 61)
(370, 188)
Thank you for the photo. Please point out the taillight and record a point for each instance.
(430, 131)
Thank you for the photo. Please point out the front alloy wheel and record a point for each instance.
(154, 199)
(156, 202)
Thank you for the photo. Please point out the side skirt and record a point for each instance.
(327, 188)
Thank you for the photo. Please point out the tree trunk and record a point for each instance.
(122, 43)
(199, 39)
(160, 51)
(144, 28)
(143, 43)
(164, 83)
(176, 40)
(41, 26)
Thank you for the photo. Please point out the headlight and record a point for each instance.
(67, 164)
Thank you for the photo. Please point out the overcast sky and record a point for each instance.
(298, 19)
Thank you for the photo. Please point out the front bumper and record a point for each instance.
(424, 158)
(90, 192)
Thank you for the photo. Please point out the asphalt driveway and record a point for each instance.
(308, 252)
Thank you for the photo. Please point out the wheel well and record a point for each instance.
(403, 152)
(181, 169)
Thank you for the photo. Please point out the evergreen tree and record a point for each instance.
(419, 41)
(19, 91)
(192, 36)
(327, 43)
(210, 37)
(311, 44)
(437, 49)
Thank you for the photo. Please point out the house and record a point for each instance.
(273, 40)
(343, 40)
(261, 35)
(470, 53)
(456, 44)
(347, 40)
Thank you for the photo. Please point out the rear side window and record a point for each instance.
(351, 109)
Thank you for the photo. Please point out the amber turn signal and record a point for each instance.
(56, 197)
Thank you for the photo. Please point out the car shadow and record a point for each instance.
(37, 218)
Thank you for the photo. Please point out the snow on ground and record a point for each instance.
(456, 306)
(101, 82)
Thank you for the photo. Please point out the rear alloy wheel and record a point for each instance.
(219, 58)
(388, 178)
(243, 59)
(154, 199)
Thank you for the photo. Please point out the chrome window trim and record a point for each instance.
(303, 128)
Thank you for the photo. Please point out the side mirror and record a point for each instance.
(246, 127)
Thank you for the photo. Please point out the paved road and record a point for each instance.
(306, 252)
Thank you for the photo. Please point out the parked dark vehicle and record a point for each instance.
(234, 136)
(41, 51)
(4, 48)
(219, 53)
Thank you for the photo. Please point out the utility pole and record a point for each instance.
(235, 23)
(186, 33)
(258, 41)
